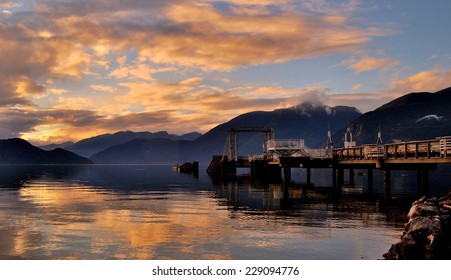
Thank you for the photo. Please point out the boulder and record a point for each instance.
(427, 234)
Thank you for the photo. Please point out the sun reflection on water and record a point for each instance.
(118, 225)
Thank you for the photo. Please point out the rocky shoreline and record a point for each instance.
(427, 234)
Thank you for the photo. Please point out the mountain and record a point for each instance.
(90, 146)
(55, 146)
(307, 121)
(18, 151)
(415, 116)
(141, 151)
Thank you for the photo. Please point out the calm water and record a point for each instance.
(152, 212)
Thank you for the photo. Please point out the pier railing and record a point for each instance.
(268, 158)
(289, 144)
(296, 148)
(436, 148)
(319, 153)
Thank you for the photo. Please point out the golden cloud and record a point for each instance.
(356, 87)
(210, 39)
(137, 72)
(367, 63)
(430, 80)
(28, 87)
(104, 88)
(6, 4)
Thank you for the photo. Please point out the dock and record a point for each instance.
(280, 156)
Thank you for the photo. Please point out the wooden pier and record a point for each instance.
(280, 156)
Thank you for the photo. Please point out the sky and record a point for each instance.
(75, 69)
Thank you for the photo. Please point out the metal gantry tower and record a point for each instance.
(232, 139)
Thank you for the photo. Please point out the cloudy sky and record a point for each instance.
(74, 69)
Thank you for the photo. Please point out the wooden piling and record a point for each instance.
(351, 177)
(387, 187)
(423, 182)
(309, 176)
(334, 177)
(370, 180)
(287, 175)
(340, 179)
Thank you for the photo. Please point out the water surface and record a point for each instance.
(153, 212)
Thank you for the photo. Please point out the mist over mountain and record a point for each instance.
(415, 116)
(88, 147)
(18, 151)
(308, 121)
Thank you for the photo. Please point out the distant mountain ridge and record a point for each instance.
(414, 116)
(88, 147)
(141, 151)
(19, 151)
(50, 147)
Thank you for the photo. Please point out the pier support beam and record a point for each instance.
(337, 179)
(370, 180)
(274, 173)
(423, 182)
(286, 181)
(309, 176)
(259, 170)
(334, 178)
(287, 175)
(387, 187)
(351, 177)
(231, 168)
(340, 178)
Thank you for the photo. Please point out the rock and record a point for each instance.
(427, 233)
(422, 208)
(445, 204)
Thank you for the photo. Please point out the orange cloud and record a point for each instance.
(135, 72)
(28, 87)
(103, 88)
(430, 80)
(210, 39)
(370, 63)
(356, 87)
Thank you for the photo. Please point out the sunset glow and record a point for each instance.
(75, 69)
